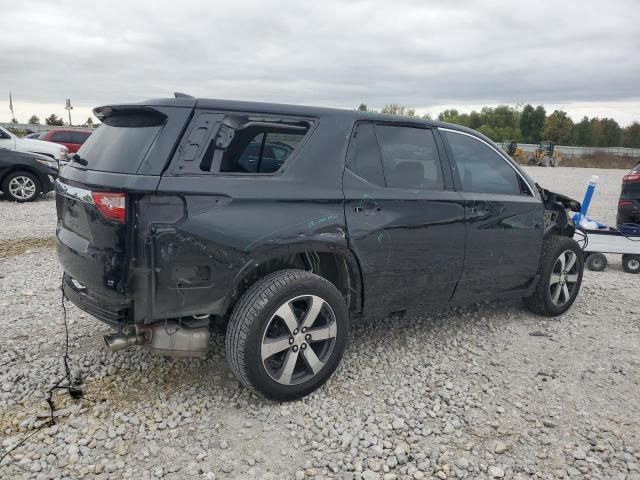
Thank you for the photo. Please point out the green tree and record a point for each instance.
(396, 109)
(581, 134)
(363, 107)
(558, 127)
(34, 120)
(532, 123)
(612, 132)
(14, 120)
(631, 136)
(89, 122)
(53, 119)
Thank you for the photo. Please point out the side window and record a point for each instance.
(480, 168)
(261, 147)
(410, 157)
(364, 155)
(79, 137)
(61, 137)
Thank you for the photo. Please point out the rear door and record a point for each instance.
(504, 218)
(405, 221)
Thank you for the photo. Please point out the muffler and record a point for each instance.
(186, 338)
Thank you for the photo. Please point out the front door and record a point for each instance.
(504, 219)
(405, 221)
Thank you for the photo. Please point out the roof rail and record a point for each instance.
(182, 95)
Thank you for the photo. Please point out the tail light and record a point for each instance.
(111, 205)
(625, 203)
(631, 178)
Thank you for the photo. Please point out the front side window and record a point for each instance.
(481, 169)
(410, 157)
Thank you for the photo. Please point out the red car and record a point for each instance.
(72, 139)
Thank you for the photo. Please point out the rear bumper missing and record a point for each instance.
(103, 308)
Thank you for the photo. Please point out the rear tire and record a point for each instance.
(596, 262)
(631, 263)
(21, 186)
(287, 334)
(561, 269)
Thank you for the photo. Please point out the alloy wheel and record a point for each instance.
(299, 339)
(22, 187)
(564, 278)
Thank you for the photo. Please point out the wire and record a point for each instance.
(583, 241)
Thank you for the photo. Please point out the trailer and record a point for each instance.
(595, 243)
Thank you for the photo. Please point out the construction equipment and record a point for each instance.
(515, 152)
(545, 155)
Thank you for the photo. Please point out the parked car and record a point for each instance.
(12, 142)
(72, 139)
(629, 202)
(24, 176)
(162, 230)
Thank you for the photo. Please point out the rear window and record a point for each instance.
(121, 142)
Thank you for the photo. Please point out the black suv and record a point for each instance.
(284, 223)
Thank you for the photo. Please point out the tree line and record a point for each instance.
(532, 125)
(52, 120)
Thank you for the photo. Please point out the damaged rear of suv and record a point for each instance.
(285, 222)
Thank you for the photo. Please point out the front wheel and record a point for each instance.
(561, 272)
(287, 334)
(21, 186)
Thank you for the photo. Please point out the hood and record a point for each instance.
(40, 145)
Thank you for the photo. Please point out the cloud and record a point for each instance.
(331, 53)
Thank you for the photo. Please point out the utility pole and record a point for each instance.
(68, 108)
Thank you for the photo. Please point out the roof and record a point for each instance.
(287, 109)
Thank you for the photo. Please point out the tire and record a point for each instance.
(561, 269)
(261, 344)
(21, 186)
(631, 263)
(596, 262)
(532, 161)
(546, 161)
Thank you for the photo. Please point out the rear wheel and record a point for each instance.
(287, 334)
(596, 262)
(21, 186)
(631, 263)
(561, 272)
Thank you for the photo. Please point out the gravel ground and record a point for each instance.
(485, 391)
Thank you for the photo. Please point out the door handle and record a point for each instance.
(478, 211)
(367, 211)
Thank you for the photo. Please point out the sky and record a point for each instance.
(581, 56)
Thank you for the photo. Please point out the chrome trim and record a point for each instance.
(74, 193)
(501, 154)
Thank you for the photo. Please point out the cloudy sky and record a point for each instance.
(583, 56)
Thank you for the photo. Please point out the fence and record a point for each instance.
(29, 128)
(567, 151)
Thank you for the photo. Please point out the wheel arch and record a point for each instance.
(336, 263)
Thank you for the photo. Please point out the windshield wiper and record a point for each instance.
(76, 158)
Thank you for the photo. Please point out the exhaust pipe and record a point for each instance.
(187, 338)
(120, 341)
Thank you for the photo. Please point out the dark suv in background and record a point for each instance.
(287, 222)
(629, 202)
